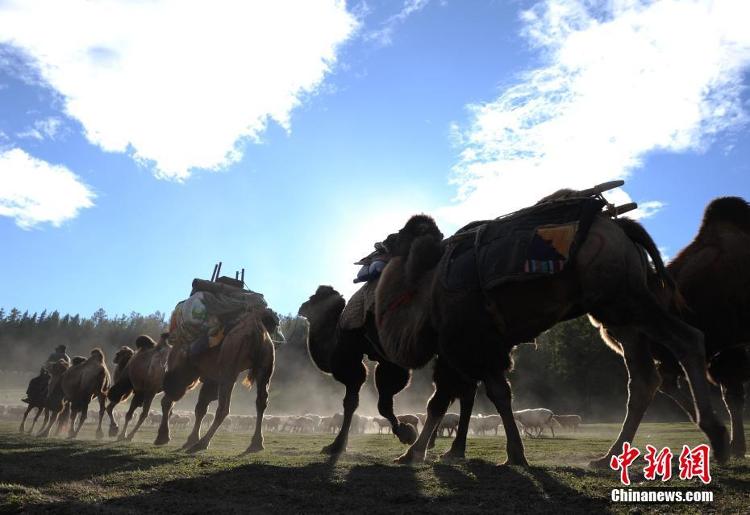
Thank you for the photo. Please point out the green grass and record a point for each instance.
(83, 476)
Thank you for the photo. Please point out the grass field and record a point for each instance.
(291, 476)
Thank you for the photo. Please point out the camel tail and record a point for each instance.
(640, 236)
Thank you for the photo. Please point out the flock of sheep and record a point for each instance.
(532, 422)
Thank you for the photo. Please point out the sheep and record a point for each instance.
(271, 423)
(382, 424)
(449, 424)
(568, 421)
(535, 419)
(486, 423)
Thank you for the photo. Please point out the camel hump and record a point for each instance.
(144, 342)
(731, 210)
(97, 354)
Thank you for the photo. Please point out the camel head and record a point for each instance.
(271, 322)
(324, 300)
(419, 243)
(144, 342)
(97, 355)
(725, 211)
(123, 356)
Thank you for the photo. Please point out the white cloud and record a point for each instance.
(46, 128)
(178, 83)
(621, 78)
(34, 192)
(384, 35)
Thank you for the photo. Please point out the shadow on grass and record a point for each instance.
(52, 462)
(513, 489)
(325, 487)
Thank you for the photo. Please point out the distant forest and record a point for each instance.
(569, 369)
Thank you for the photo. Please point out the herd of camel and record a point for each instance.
(678, 328)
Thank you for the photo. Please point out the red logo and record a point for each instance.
(692, 462)
(658, 464)
(623, 461)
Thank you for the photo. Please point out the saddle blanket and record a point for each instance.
(536, 241)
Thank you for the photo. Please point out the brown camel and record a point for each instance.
(55, 401)
(36, 397)
(247, 346)
(80, 384)
(121, 387)
(145, 374)
(472, 331)
(713, 276)
(340, 350)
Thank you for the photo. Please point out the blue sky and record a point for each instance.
(136, 151)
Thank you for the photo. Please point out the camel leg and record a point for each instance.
(72, 422)
(687, 344)
(162, 436)
(145, 407)
(734, 399)
(261, 403)
(102, 408)
(36, 417)
(113, 427)
(209, 392)
(389, 380)
(671, 388)
(135, 402)
(643, 380)
(498, 390)
(436, 408)
(47, 427)
(83, 415)
(458, 447)
(222, 410)
(348, 368)
(23, 421)
(63, 419)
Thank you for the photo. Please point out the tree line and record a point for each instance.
(568, 369)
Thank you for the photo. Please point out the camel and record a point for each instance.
(121, 387)
(472, 331)
(713, 277)
(247, 347)
(36, 396)
(83, 382)
(55, 401)
(80, 384)
(145, 374)
(340, 352)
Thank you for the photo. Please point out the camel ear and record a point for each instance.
(424, 254)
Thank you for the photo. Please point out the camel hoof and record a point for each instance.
(253, 449)
(331, 450)
(99, 434)
(452, 455)
(406, 433)
(187, 445)
(114, 431)
(600, 463)
(408, 458)
(200, 446)
(515, 463)
(161, 440)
